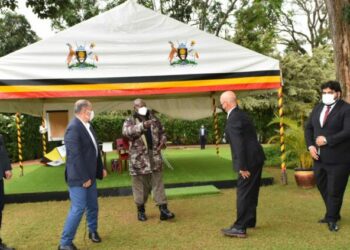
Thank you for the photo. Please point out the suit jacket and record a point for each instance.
(336, 130)
(240, 133)
(5, 163)
(82, 163)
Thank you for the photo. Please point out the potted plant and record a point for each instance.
(296, 150)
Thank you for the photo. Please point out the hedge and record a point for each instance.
(108, 127)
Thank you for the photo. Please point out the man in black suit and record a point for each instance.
(327, 135)
(248, 160)
(5, 170)
(203, 136)
(83, 167)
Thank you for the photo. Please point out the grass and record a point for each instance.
(182, 192)
(190, 165)
(287, 219)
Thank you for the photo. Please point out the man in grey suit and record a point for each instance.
(5, 170)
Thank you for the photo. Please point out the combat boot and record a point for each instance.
(165, 214)
(141, 215)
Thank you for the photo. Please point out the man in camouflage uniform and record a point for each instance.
(146, 138)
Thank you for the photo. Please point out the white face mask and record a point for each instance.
(92, 115)
(142, 111)
(328, 99)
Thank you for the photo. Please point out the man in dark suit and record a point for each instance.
(5, 170)
(327, 135)
(203, 136)
(248, 159)
(83, 166)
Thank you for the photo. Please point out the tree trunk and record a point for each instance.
(340, 29)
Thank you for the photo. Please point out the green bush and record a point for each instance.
(108, 127)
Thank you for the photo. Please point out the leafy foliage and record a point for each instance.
(64, 13)
(255, 26)
(296, 150)
(303, 75)
(10, 4)
(15, 33)
(31, 138)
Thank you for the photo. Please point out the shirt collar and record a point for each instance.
(86, 124)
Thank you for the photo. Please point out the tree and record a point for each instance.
(64, 13)
(15, 33)
(293, 35)
(8, 4)
(339, 17)
(303, 75)
(255, 26)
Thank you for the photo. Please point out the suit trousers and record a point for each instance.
(331, 181)
(81, 199)
(2, 200)
(202, 140)
(247, 199)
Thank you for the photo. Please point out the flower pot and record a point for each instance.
(304, 178)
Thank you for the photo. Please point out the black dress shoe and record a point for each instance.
(4, 247)
(94, 237)
(234, 232)
(333, 227)
(71, 247)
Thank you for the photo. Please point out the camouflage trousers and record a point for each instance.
(142, 185)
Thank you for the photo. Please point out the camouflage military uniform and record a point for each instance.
(145, 164)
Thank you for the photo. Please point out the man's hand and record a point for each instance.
(313, 152)
(8, 174)
(87, 184)
(244, 174)
(321, 141)
(104, 174)
(147, 124)
(160, 147)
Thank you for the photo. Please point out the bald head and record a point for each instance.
(228, 96)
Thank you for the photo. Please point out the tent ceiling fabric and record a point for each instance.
(126, 52)
(181, 107)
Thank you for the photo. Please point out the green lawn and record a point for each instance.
(190, 165)
(287, 220)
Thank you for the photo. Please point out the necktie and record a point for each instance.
(326, 115)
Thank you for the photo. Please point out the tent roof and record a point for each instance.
(126, 52)
(132, 46)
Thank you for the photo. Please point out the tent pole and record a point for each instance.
(216, 127)
(43, 134)
(284, 179)
(19, 142)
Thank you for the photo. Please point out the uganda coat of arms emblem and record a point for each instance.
(183, 54)
(81, 56)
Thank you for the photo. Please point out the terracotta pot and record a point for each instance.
(304, 178)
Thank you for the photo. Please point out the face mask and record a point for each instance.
(142, 111)
(92, 115)
(328, 99)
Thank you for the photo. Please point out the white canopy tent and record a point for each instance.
(127, 52)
